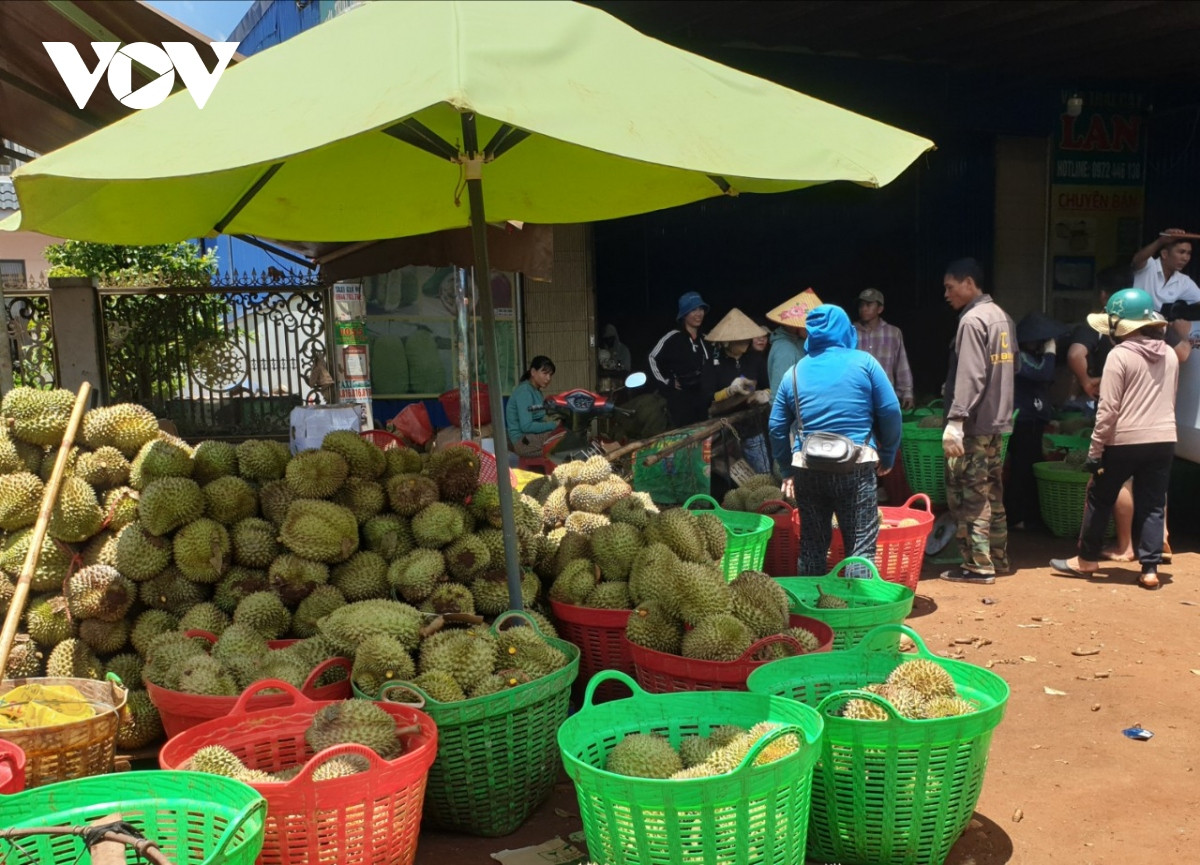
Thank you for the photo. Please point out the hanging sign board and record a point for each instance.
(352, 351)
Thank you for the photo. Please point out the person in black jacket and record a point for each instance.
(736, 370)
(677, 363)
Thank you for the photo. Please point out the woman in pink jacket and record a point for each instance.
(1134, 435)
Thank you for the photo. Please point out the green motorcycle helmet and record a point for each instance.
(1128, 310)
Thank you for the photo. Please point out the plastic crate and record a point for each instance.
(894, 792)
(195, 818)
(370, 817)
(600, 636)
(872, 601)
(754, 815)
(382, 439)
(487, 464)
(664, 673)
(900, 550)
(925, 463)
(1062, 495)
(783, 549)
(746, 537)
(12, 768)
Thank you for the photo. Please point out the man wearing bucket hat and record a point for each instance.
(885, 343)
(1134, 435)
(677, 363)
(737, 371)
(787, 342)
(979, 405)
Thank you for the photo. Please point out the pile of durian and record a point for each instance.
(649, 755)
(349, 721)
(753, 493)
(153, 537)
(918, 689)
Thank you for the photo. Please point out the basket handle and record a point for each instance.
(310, 683)
(765, 740)
(874, 639)
(399, 685)
(256, 688)
(779, 502)
(758, 645)
(687, 506)
(609, 676)
(202, 634)
(794, 600)
(233, 831)
(839, 697)
(840, 568)
(508, 615)
(921, 498)
(322, 757)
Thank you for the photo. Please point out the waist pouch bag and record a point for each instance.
(825, 451)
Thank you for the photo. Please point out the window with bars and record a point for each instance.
(12, 273)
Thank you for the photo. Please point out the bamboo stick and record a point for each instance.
(21, 594)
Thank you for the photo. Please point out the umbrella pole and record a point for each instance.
(473, 165)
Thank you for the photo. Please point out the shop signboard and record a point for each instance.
(353, 351)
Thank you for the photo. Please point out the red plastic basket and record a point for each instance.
(663, 673)
(12, 768)
(372, 817)
(783, 549)
(900, 552)
(382, 439)
(600, 636)
(481, 407)
(181, 711)
(487, 464)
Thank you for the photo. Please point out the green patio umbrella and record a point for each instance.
(374, 124)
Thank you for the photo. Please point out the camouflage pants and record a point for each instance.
(975, 495)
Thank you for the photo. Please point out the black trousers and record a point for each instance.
(1150, 467)
(1020, 493)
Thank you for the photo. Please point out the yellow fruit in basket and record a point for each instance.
(948, 707)
(908, 521)
(925, 677)
(643, 755)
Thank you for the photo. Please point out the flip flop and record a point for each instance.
(1066, 570)
(1149, 581)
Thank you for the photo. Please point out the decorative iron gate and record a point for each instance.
(230, 361)
(30, 336)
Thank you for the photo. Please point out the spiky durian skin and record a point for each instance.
(165, 456)
(316, 474)
(389, 535)
(652, 626)
(349, 625)
(437, 525)
(417, 574)
(104, 638)
(126, 666)
(468, 656)
(319, 530)
(120, 507)
(53, 565)
(229, 500)
(164, 656)
(73, 659)
(408, 494)
(320, 602)
(265, 613)
(629, 510)
(575, 583)
(48, 410)
(491, 591)
(125, 426)
(643, 755)
(522, 648)
(440, 686)
(173, 592)
(205, 616)
(614, 548)
(102, 469)
(213, 459)
(202, 550)
(293, 578)
(948, 707)
(381, 659)
(357, 452)
(584, 523)
(151, 624)
(274, 499)
(678, 530)
(259, 460)
(700, 591)
(76, 515)
(401, 461)
(362, 576)
(358, 721)
(720, 637)
(20, 500)
(449, 598)
(760, 602)
(140, 555)
(24, 659)
(467, 557)
(829, 602)
(140, 722)
(254, 544)
(47, 621)
(363, 498)
(99, 592)
(166, 504)
(609, 596)
(924, 676)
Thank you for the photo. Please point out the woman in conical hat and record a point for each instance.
(738, 371)
(787, 342)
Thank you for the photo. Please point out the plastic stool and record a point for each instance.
(544, 465)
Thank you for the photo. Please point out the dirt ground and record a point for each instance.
(1063, 784)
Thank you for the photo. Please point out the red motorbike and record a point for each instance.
(576, 409)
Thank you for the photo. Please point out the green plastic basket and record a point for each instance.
(1062, 493)
(895, 792)
(753, 815)
(194, 818)
(873, 601)
(925, 462)
(746, 537)
(1056, 442)
(497, 759)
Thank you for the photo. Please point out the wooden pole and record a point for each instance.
(17, 605)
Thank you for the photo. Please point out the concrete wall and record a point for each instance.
(27, 246)
(560, 315)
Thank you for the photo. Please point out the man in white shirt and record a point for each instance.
(1163, 277)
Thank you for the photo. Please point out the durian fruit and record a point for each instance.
(614, 548)
(127, 666)
(485, 505)
(401, 461)
(349, 625)
(522, 648)
(575, 583)
(24, 659)
(712, 530)
(99, 592)
(149, 625)
(240, 640)
(50, 458)
(440, 686)
(140, 724)
(202, 550)
(341, 766)
(102, 469)
(168, 503)
(829, 602)
(173, 592)
(409, 494)
(925, 677)
(166, 456)
(947, 707)
(215, 760)
(437, 525)
(363, 498)
(76, 515)
(455, 470)
(491, 591)
(229, 500)
(320, 602)
(213, 459)
(567, 474)
(7, 589)
(201, 674)
(100, 550)
(20, 500)
(125, 426)
(237, 583)
(165, 655)
(319, 530)
(53, 565)
(387, 534)
(358, 721)
(467, 557)
(729, 757)
(556, 508)
(254, 544)
(904, 699)
(719, 637)
(104, 638)
(593, 470)
(652, 626)
(316, 474)
(362, 576)
(265, 613)
(643, 755)
(571, 546)
(468, 656)
(700, 591)
(584, 523)
(678, 529)
(864, 710)
(760, 602)
(449, 598)
(586, 497)
(381, 659)
(805, 637)
(260, 460)
(629, 510)
(293, 578)
(205, 616)
(37, 416)
(120, 507)
(609, 596)
(47, 621)
(73, 659)
(694, 750)
(357, 453)
(274, 499)
(140, 555)
(417, 574)
(651, 575)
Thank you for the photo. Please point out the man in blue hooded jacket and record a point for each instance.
(841, 390)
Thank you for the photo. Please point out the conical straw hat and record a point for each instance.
(735, 326)
(793, 312)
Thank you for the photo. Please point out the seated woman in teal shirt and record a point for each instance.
(524, 417)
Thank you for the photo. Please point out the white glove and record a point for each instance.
(741, 386)
(761, 397)
(1050, 347)
(952, 439)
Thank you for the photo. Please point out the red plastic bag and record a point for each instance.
(413, 425)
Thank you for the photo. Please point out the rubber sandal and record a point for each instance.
(957, 575)
(1166, 554)
(1149, 581)
(1066, 570)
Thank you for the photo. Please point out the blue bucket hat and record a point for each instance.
(689, 301)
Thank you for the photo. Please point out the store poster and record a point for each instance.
(1097, 193)
(352, 348)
